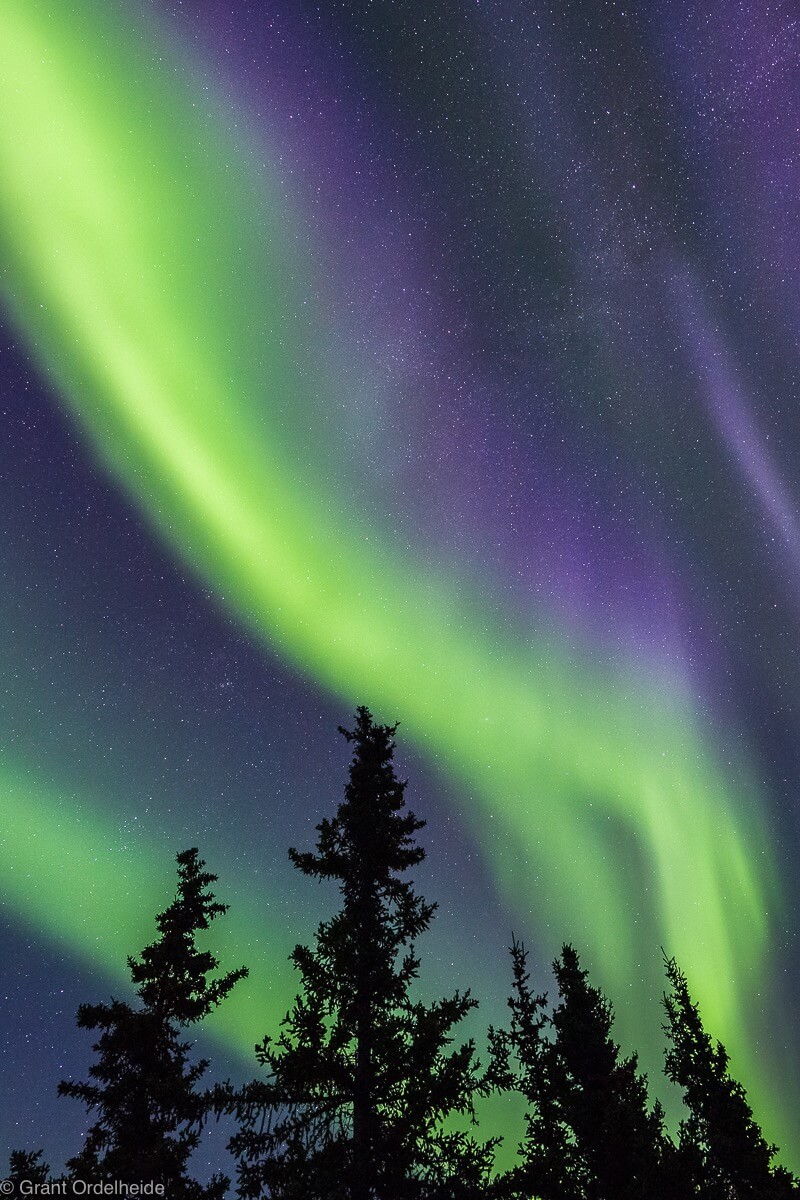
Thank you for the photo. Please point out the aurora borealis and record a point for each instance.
(441, 362)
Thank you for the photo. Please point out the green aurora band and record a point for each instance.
(158, 275)
(61, 855)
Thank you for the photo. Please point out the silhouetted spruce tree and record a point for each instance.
(26, 1166)
(725, 1152)
(625, 1152)
(522, 1059)
(591, 1134)
(360, 1079)
(143, 1086)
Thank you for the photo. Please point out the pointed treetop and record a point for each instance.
(172, 975)
(371, 834)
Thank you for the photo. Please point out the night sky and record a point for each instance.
(439, 358)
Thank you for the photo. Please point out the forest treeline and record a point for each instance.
(364, 1092)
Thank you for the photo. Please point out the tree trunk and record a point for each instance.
(363, 1178)
(361, 1185)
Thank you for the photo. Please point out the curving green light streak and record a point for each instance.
(158, 277)
(64, 869)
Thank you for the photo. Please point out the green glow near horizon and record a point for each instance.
(139, 242)
(61, 857)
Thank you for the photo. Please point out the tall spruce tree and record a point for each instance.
(591, 1134)
(143, 1086)
(725, 1152)
(360, 1080)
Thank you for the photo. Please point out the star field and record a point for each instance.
(443, 361)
